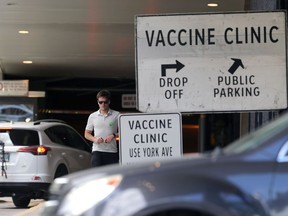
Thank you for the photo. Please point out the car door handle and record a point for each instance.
(81, 156)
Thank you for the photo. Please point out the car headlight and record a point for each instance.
(83, 197)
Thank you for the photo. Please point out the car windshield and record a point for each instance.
(258, 137)
(19, 137)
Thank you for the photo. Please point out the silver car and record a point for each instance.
(33, 154)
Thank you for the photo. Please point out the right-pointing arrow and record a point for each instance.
(178, 66)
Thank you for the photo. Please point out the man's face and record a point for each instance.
(103, 103)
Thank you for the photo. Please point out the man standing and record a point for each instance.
(101, 129)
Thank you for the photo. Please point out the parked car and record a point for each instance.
(13, 112)
(247, 178)
(33, 154)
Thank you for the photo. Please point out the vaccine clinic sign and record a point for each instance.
(149, 137)
(211, 62)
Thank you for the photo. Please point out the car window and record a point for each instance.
(77, 141)
(19, 137)
(283, 154)
(68, 137)
(57, 135)
(256, 139)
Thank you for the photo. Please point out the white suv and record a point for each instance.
(33, 154)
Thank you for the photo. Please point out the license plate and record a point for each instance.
(5, 158)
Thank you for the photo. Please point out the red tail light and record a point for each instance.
(35, 150)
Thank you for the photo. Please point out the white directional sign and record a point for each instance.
(211, 62)
(149, 137)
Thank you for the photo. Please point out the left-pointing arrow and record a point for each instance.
(178, 66)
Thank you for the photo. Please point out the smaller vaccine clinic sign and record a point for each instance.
(211, 62)
(149, 137)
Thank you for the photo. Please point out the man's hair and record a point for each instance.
(104, 93)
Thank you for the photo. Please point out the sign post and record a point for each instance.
(149, 137)
(211, 62)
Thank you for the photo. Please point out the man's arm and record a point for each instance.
(89, 136)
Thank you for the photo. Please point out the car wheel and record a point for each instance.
(21, 201)
(61, 171)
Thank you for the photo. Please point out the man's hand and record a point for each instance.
(109, 138)
(99, 140)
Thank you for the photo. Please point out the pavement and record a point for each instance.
(33, 211)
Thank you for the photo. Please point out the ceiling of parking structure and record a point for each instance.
(81, 38)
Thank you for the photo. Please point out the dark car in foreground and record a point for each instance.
(247, 178)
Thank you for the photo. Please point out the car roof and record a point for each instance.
(39, 124)
(137, 168)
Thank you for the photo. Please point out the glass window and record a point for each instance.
(259, 137)
(19, 137)
(67, 136)
(16, 112)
